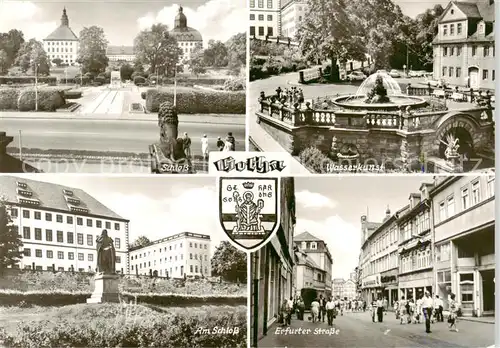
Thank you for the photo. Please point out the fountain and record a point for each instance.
(379, 92)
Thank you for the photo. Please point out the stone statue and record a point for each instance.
(451, 147)
(248, 212)
(168, 121)
(106, 258)
(378, 93)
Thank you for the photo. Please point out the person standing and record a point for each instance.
(315, 310)
(186, 145)
(418, 310)
(364, 306)
(220, 144)
(402, 309)
(330, 307)
(411, 311)
(230, 139)
(373, 310)
(427, 306)
(380, 310)
(289, 311)
(300, 309)
(438, 307)
(453, 318)
(396, 308)
(322, 308)
(204, 146)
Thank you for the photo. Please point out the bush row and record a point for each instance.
(55, 298)
(110, 325)
(72, 94)
(262, 68)
(315, 160)
(193, 101)
(27, 79)
(25, 99)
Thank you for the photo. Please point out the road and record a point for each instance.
(110, 135)
(357, 330)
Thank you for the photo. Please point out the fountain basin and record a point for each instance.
(357, 102)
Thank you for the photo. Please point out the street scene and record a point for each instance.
(83, 263)
(159, 88)
(408, 263)
(410, 89)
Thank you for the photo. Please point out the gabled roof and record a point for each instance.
(468, 8)
(63, 33)
(305, 237)
(304, 259)
(51, 196)
(120, 50)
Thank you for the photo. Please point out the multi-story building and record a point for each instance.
(308, 274)
(349, 290)
(464, 48)
(272, 268)
(188, 39)
(292, 13)
(265, 18)
(415, 246)
(318, 251)
(58, 225)
(337, 285)
(370, 281)
(463, 209)
(62, 43)
(120, 53)
(182, 254)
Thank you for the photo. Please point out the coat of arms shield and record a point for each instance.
(249, 210)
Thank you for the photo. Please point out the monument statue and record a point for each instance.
(248, 213)
(106, 258)
(378, 93)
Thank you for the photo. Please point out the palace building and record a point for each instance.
(464, 48)
(265, 18)
(292, 13)
(120, 53)
(188, 39)
(58, 225)
(271, 269)
(183, 254)
(62, 43)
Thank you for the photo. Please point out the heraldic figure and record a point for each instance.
(248, 212)
(106, 257)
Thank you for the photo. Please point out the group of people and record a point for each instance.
(228, 144)
(289, 96)
(424, 308)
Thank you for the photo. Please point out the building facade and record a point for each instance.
(183, 254)
(120, 53)
(62, 43)
(464, 48)
(58, 226)
(308, 274)
(349, 290)
(317, 250)
(463, 209)
(265, 18)
(188, 39)
(415, 246)
(272, 268)
(337, 284)
(292, 13)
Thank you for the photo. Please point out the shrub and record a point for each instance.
(137, 73)
(8, 98)
(193, 101)
(143, 95)
(101, 80)
(72, 94)
(48, 100)
(139, 80)
(235, 85)
(315, 160)
(111, 325)
(27, 79)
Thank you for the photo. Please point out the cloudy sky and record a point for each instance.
(157, 207)
(330, 208)
(122, 20)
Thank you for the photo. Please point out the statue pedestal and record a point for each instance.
(105, 288)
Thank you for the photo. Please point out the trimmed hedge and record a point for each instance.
(56, 298)
(139, 80)
(8, 98)
(193, 101)
(48, 100)
(27, 79)
(72, 94)
(193, 81)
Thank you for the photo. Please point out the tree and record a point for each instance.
(92, 51)
(4, 62)
(156, 48)
(141, 241)
(330, 30)
(10, 242)
(229, 263)
(197, 62)
(126, 71)
(426, 29)
(11, 43)
(237, 45)
(57, 61)
(32, 54)
(216, 55)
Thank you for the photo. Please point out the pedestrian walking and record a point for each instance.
(453, 317)
(204, 146)
(315, 310)
(330, 308)
(411, 312)
(220, 144)
(396, 308)
(322, 308)
(380, 310)
(427, 306)
(373, 310)
(418, 310)
(289, 311)
(402, 309)
(186, 145)
(300, 309)
(364, 306)
(438, 307)
(230, 139)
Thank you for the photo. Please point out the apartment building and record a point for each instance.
(308, 274)
(265, 18)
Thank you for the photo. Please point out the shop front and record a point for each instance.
(413, 285)
(371, 288)
(389, 284)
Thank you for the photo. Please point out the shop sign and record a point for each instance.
(371, 281)
(389, 279)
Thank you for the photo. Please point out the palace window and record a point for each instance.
(260, 3)
(261, 17)
(38, 234)
(48, 235)
(445, 52)
(444, 71)
(269, 18)
(458, 72)
(452, 50)
(485, 74)
(26, 232)
(252, 17)
(474, 50)
(459, 50)
(50, 254)
(269, 3)
(450, 71)
(38, 215)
